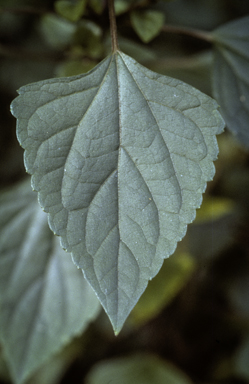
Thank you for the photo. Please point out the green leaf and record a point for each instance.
(147, 24)
(230, 76)
(70, 9)
(120, 157)
(136, 369)
(44, 299)
(121, 6)
(97, 5)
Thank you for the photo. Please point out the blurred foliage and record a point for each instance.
(147, 24)
(195, 313)
(137, 369)
(174, 274)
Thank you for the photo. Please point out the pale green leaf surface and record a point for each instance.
(120, 158)
(44, 299)
(230, 76)
(147, 24)
(136, 369)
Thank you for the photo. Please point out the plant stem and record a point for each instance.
(203, 35)
(113, 26)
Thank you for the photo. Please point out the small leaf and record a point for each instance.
(88, 35)
(121, 6)
(44, 299)
(97, 5)
(120, 157)
(70, 9)
(147, 24)
(230, 77)
(137, 369)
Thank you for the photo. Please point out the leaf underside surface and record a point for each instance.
(230, 79)
(120, 158)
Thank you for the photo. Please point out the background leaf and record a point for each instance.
(136, 369)
(147, 23)
(97, 5)
(230, 77)
(122, 6)
(44, 299)
(214, 228)
(120, 157)
(70, 9)
(174, 274)
(56, 31)
(88, 37)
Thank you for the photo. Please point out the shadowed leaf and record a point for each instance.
(230, 77)
(44, 299)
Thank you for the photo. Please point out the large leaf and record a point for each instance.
(120, 157)
(44, 299)
(230, 78)
(137, 369)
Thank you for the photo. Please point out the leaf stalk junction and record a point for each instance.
(113, 26)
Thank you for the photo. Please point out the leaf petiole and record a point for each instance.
(113, 26)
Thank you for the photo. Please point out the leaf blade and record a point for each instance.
(131, 176)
